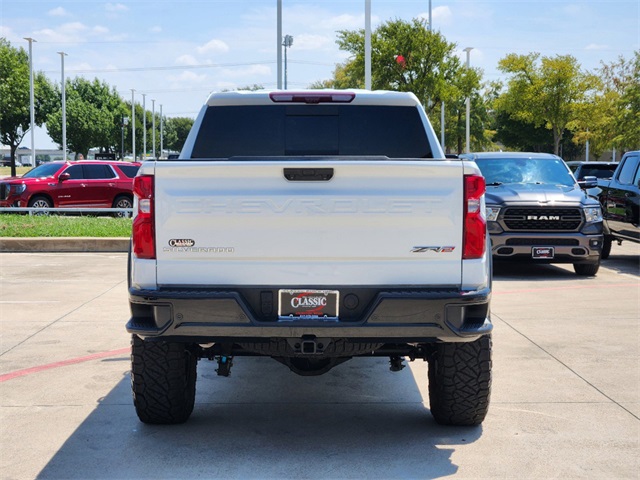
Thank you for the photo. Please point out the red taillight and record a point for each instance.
(475, 226)
(312, 97)
(144, 232)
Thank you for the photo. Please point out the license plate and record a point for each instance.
(542, 252)
(309, 304)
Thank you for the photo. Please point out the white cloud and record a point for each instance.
(596, 46)
(100, 30)
(73, 32)
(58, 12)
(187, 78)
(116, 7)
(344, 22)
(312, 42)
(247, 72)
(7, 33)
(186, 60)
(215, 45)
(440, 16)
(82, 66)
(156, 29)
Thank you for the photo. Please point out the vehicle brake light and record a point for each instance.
(312, 97)
(143, 230)
(475, 225)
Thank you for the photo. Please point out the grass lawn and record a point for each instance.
(6, 171)
(15, 225)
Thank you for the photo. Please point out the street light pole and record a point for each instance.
(144, 126)
(279, 43)
(32, 101)
(64, 107)
(468, 149)
(367, 44)
(161, 131)
(288, 41)
(153, 127)
(133, 124)
(124, 121)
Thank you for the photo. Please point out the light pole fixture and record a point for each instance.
(144, 126)
(288, 41)
(153, 127)
(32, 101)
(64, 107)
(133, 124)
(367, 44)
(161, 131)
(279, 43)
(468, 143)
(124, 122)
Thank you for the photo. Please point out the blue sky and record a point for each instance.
(176, 51)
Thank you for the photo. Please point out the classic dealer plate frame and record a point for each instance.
(543, 253)
(308, 304)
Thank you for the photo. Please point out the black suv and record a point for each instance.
(538, 212)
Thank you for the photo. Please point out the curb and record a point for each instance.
(64, 244)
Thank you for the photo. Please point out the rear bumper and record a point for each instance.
(408, 315)
(567, 248)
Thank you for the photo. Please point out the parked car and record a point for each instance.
(620, 200)
(538, 212)
(93, 184)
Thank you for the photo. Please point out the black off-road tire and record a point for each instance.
(586, 269)
(163, 380)
(460, 382)
(606, 247)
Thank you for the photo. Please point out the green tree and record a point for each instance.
(15, 116)
(407, 57)
(94, 112)
(627, 112)
(176, 131)
(548, 93)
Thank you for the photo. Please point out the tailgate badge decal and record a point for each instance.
(181, 242)
(437, 249)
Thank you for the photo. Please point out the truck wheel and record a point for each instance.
(163, 380)
(586, 269)
(40, 202)
(122, 202)
(606, 247)
(460, 382)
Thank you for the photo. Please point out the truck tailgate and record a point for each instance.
(243, 223)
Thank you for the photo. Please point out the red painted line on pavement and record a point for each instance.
(63, 363)
(113, 353)
(574, 287)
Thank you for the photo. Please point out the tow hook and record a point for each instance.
(224, 365)
(396, 364)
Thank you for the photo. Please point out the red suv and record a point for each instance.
(89, 183)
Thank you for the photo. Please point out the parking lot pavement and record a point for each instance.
(565, 399)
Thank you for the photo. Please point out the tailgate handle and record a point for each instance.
(308, 174)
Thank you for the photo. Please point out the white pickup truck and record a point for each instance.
(310, 227)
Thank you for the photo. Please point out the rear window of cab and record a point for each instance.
(299, 130)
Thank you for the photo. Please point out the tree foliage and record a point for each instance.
(176, 132)
(627, 106)
(545, 93)
(408, 57)
(15, 104)
(93, 117)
